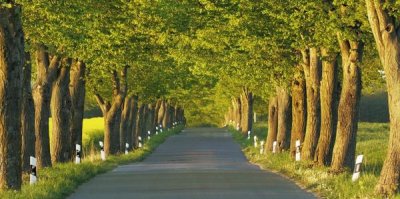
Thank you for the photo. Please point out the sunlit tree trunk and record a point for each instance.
(124, 125)
(161, 113)
(348, 109)
(385, 30)
(312, 73)
(298, 110)
(11, 70)
(323, 153)
(272, 123)
(112, 112)
(60, 112)
(77, 91)
(246, 101)
(284, 119)
(46, 72)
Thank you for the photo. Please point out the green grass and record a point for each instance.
(371, 142)
(62, 179)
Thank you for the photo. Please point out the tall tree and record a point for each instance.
(312, 72)
(77, 91)
(323, 153)
(383, 20)
(60, 112)
(46, 72)
(27, 116)
(11, 68)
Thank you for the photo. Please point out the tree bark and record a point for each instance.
(150, 125)
(124, 126)
(134, 115)
(323, 153)
(156, 112)
(246, 99)
(46, 72)
(112, 112)
(312, 70)
(348, 109)
(272, 123)
(27, 116)
(60, 111)
(139, 125)
(167, 115)
(77, 91)
(298, 110)
(284, 119)
(386, 34)
(161, 113)
(11, 66)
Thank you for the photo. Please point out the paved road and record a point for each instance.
(203, 163)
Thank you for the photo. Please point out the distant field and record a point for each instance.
(371, 142)
(374, 108)
(93, 132)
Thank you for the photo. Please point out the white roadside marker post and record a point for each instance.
(357, 168)
(102, 153)
(248, 135)
(140, 141)
(274, 144)
(298, 150)
(126, 148)
(148, 135)
(78, 154)
(161, 128)
(262, 147)
(255, 141)
(33, 174)
(237, 127)
(156, 130)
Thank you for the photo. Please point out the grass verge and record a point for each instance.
(62, 179)
(371, 142)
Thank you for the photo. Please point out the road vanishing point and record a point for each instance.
(199, 163)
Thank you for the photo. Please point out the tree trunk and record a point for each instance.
(112, 112)
(298, 110)
(144, 121)
(161, 113)
(386, 34)
(77, 91)
(150, 124)
(139, 125)
(247, 111)
(284, 119)
(46, 72)
(156, 112)
(312, 70)
(166, 117)
(27, 116)
(348, 109)
(60, 111)
(134, 116)
(272, 123)
(124, 125)
(11, 65)
(323, 153)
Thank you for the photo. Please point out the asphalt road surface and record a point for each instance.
(200, 163)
